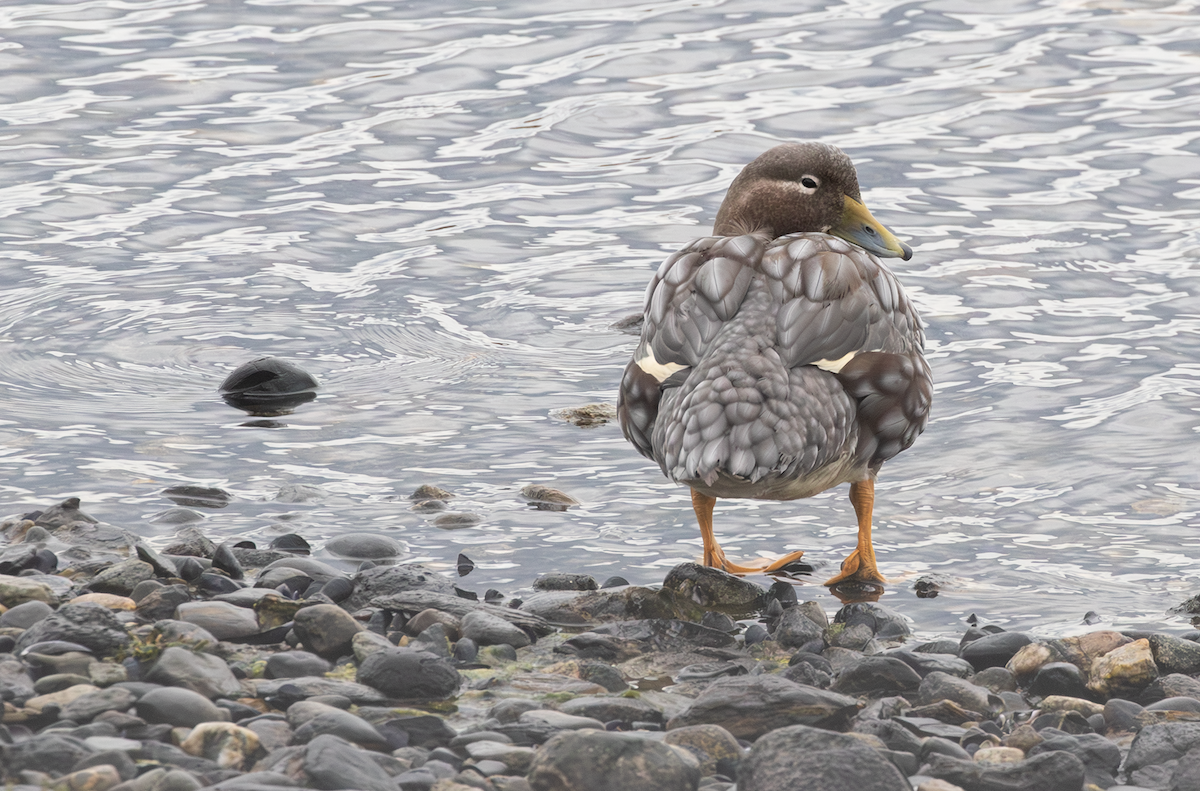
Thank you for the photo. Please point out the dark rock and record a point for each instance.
(795, 628)
(365, 546)
(391, 580)
(42, 753)
(925, 663)
(224, 621)
(1122, 716)
(713, 589)
(204, 674)
(163, 567)
(1057, 771)
(177, 707)
(210, 584)
(190, 569)
(333, 764)
(291, 542)
(994, 650)
(25, 615)
(197, 496)
(117, 759)
(1067, 721)
(89, 625)
(1101, 758)
(326, 630)
(1175, 704)
(816, 760)
(190, 541)
(877, 675)
(425, 730)
(1162, 742)
(486, 629)
(293, 664)
(996, 679)
(224, 560)
(561, 581)
(545, 498)
(884, 623)
(937, 745)
(1174, 685)
(406, 674)
(939, 686)
(86, 707)
(614, 709)
(749, 706)
(1059, 678)
(894, 735)
(62, 514)
(341, 724)
(160, 603)
(268, 386)
(613, 604)
(1187, 773)
(595, 761)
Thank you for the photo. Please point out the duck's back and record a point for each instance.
(775, 368)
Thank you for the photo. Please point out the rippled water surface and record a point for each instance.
(440, 209)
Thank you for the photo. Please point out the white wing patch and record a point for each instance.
(834, 366)
(659, 371)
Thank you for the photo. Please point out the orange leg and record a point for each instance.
(715, 556)
(860, 565)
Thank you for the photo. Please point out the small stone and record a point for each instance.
(178, 707)
(326, 630)
(1175, 655)
(609, 709)
(24, 615)
(205, 674)
(1162, 742)
(162, 602)
(795, 628)
(406, 674)
(109, 601)
(515, 758)
(223, 620)
(94, 778)
(877, 675)
(546, 498)
(994, 650)
(85, 707)
(750, 706)
(1127, 669)
(998, 755)
(711, 744)
(231, 746)
(429, 492)
(592, 761)
(86, 624)
(940, 686)
(1056, 771)
(366, 546)
(366, 643)
(487, 629)
(561, 720)
(708, 588)
(561, 581)
(1059, 678)
(121, 578)
(799, 756)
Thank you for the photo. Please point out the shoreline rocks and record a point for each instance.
(239, 669)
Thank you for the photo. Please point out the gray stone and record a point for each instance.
(16, 685)
(339, 723)
(750, 706)
(610, 709)
(85, 707)
(326, 630)
(46, 751)
(161, 603)
(406, 674)
(795, 628)
(1057, 771)
(121, 578)
(190, 541)
(194, 637)
(1162, 742)
(389, 580)
(598, 761)
(178, 707)
(487, 629)
(993, 650)
(223, 621)
(205, 674)
(942, 686)
(365, 546)
(333, 764)
(89, 625)
(877, 675)
(313, 686)
(25, 615)
(816, 760)
(294, 664)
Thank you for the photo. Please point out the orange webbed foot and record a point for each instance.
(857, 568)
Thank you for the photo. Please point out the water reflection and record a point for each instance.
(440, 212)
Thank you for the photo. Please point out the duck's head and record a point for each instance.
(804, 187)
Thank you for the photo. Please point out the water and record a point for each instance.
(439, 209)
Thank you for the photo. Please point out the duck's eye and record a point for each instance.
(810, 184)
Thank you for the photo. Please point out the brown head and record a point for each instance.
(803, 188)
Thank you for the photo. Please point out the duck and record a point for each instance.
(780, 357)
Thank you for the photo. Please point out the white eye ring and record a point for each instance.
(809, 184)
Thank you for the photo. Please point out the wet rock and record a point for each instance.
(877, 675)
(191, 542)
(224, 621)
(1170, 686)
(713, 589)
(1059, 678)
(268, 386)
(796, 628)
(48, 750)
(197, 496)
(24, 615)
(1123, 671)
(230, 746)
(994, 650)
(326, 630)
(201, 673)
(799, 756)
(293, 664)
(365, 546)
(1080, 651)
(926, 663)
(428, 617)
(612, 709)
(1162, 742)
(712, 745)
(885, 624)
(1057, 771)
(941, 686)
(560, 720)
(161, 603)
(177, 707)
(121, 578)
(405, 674)
(486, 629)
(561, 581)
(86, 624)
(85, 707)
(546, 498)
(332, 763)
(225, 560)
(62, 514)
(1175, 655)
(750, 706)
(516, 759)
(188, 635)
(588, 415)
(613, 604)
(316, 686)
(94, 778)
(1101, 758)
(429, 492)
(343, 724)
(384, 581)
(593, 761)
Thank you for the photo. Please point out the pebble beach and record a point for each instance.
(247, 668)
